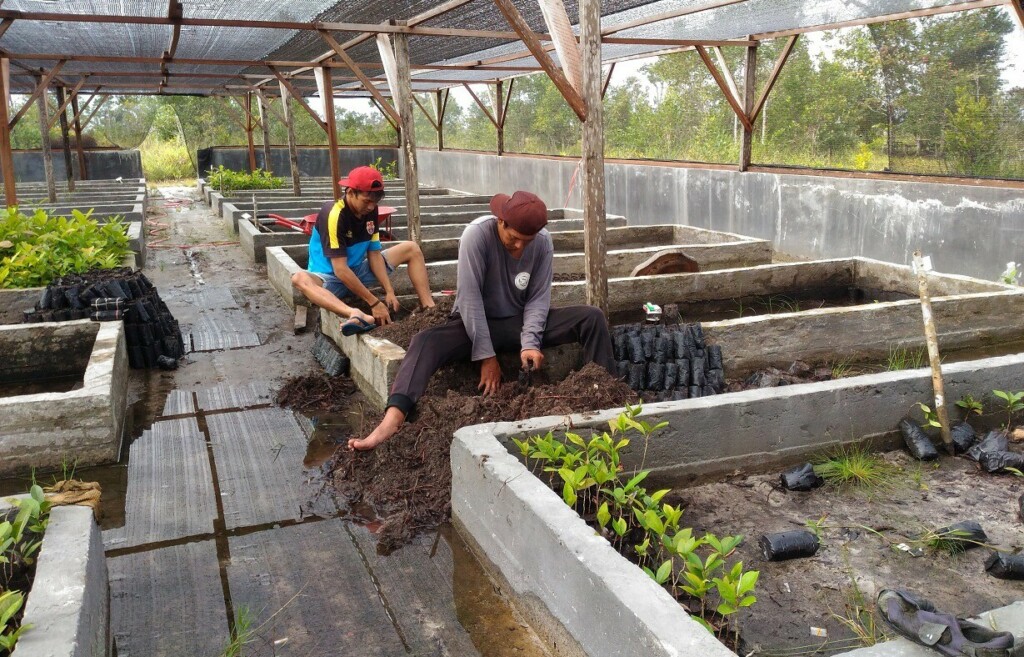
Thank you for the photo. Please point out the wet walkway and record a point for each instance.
(223, 532)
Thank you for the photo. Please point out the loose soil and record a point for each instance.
(316, 393)
(853, 563)
(407, 480)
(401, 331)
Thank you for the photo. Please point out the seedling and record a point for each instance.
(230, 181)
(970, 405)
(1014, 403)
(931, 418)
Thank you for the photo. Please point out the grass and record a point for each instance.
(904, 358)
(165, 160)
(842, 367)
(856, 467)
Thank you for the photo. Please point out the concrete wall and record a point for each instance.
(102, 165)
(313, 160)
(971, 230)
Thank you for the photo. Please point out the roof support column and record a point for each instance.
(62, 117)
(749, 98)
(403, 98)
(293, 150)
(83, 167)
(265, 124)
(440, 105)
(326, 88)
(6, 157)
(248, 132)
(593, 155)
(1017, 6)
(44, 133)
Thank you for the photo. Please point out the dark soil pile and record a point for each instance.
(316, 393)
(401, 331)
(771, 377)
(408, 478)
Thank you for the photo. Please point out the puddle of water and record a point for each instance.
(35, 386)
(113, 480)
(493, 625)
(330, 431)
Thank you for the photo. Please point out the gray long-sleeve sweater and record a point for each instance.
(492, 284)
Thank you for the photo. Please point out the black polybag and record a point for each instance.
(788, 545)
(917, 441)
(966, 534)
(636, 376)
(647, 338)
(801, 478)
(994, 441)
(655, 376)
(993, 462)
(963, 436)
(683, 373)
(697, 376)
(622, 369)
(1005, 566)
(715, 357)
(663, 348)
(619, 344)
(695, 392)
(671, 372)
(636, 349)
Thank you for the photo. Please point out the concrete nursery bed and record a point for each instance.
(969, 313)
(555, 564)
(68, 608)
(84, 425)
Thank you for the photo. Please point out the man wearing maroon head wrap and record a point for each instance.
(503, 303)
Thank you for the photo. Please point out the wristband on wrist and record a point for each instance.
(376, 303)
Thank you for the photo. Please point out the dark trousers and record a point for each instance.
(433, 348)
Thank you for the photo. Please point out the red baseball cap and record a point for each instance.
(523, 212)
(363, 179)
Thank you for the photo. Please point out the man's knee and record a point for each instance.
(592, 316)
(301, 279)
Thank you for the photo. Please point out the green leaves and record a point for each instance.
(19, 542)
(35, 249)
(230, 181)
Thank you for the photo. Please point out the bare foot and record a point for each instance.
(388, 427)
(429, 304)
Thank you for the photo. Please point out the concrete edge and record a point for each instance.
(68, 607)
(280, 267)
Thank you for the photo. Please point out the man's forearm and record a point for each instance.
(380, 271)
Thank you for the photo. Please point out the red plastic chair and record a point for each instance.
(306, 224)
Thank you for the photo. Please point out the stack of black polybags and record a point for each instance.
(672, 362)
(111, 294)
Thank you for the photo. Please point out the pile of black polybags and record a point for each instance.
(670, 361)
(111, 295)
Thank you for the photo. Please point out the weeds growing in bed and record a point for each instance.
(20, 541)
(594, 482)
(857, 467)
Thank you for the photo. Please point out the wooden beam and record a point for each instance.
(326, 90)
(440, 106)
(78, 113)
(88, 119)
(565, 41)
(594, 210)
(44, 134)
(63, 105)
(508, 97)
(65, 140)
(1016, 7)
(676, 43)
(174, 12)
(423, 109)
(268, 101)
(607, 80)
(749, 98)
(394, 124)
(516, 21)
(499, 109)
(358, 72)
(6, 154)
(723, 67)
(83, 168)
(233, 114)
(261, 106)
(410, 172)
(481, 105)
(40, 88)
(298, 98)
(5, 25)
(772, 77)
(293, 150)
(724, 86)
(667, 15)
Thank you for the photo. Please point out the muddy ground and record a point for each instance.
(853, 563)
(407, 480)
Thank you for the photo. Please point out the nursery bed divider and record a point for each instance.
(556, 565)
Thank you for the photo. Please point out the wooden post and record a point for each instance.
(749, 98)
(6, 156)
(499, 112)
(593, 155)
(248, 132)
(293, 150)
(261, 104)
(408, 135)
(44, 133)
(65, 139)
(932, 340)
(83, 168)
(326, 88)
(440, 104)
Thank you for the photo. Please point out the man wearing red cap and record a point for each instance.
(503, 303)
(345, 257)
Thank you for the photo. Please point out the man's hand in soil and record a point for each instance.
(490, 375)
(531, 358)
(381, 314)
(391, 301)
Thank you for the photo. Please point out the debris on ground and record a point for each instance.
(408, 478)
(316, 393)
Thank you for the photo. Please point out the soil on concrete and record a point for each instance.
(407, 480)
(401, 331)
(316, 393)
(860, 533)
